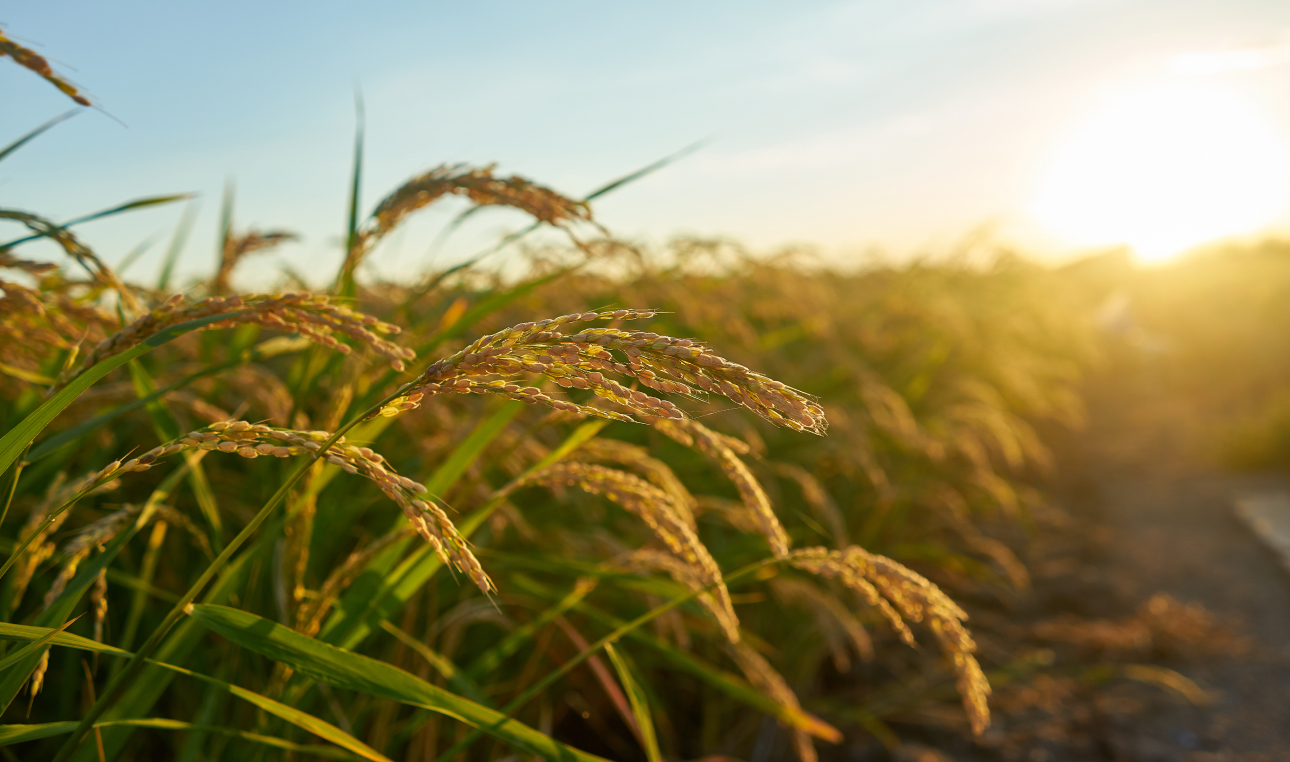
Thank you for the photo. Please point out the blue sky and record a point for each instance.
(845, 125)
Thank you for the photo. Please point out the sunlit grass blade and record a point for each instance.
(26, 375)
(345, 278)
(296, 717)
(20, 142)
(141, 203)
(176, 248)
(648, 169)
(345, 669)
(34, 646)
(29, 633)
(639, 703)
(11, 734)
(167, 429)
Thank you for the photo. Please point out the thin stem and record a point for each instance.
(13, 483)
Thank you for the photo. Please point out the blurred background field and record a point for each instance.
(1051, 443)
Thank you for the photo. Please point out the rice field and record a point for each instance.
(615, 503)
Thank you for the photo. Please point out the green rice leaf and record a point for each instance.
(22, 632)
(640, 705)
(129, 206)
(11, 734)
(20, 142)
(34, 646)
(345, 669)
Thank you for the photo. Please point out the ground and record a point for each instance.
(1148, 514)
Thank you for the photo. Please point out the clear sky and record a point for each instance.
(901, 124)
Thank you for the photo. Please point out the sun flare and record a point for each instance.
(1165, 168)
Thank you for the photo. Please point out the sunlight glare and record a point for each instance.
(1165, 168)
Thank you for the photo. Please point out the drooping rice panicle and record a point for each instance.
(256, 440)
(86, 540)
(99, 604)
(901, 594)
(718, 448)
(651, 505)
(30, 59)
(582, 359)
(40, 548)
(475, 183)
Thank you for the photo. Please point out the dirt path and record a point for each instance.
(1163, 523)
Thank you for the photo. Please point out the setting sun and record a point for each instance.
(1164, 168)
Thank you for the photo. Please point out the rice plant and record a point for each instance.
(604, 532)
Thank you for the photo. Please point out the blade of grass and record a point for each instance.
(345, 669)
(177, 242)
(167, 429)
(639, 703)
(296, 717)
(20, 142)
(36, 645)
(345, 278)
(11, 734)
(129, 206)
